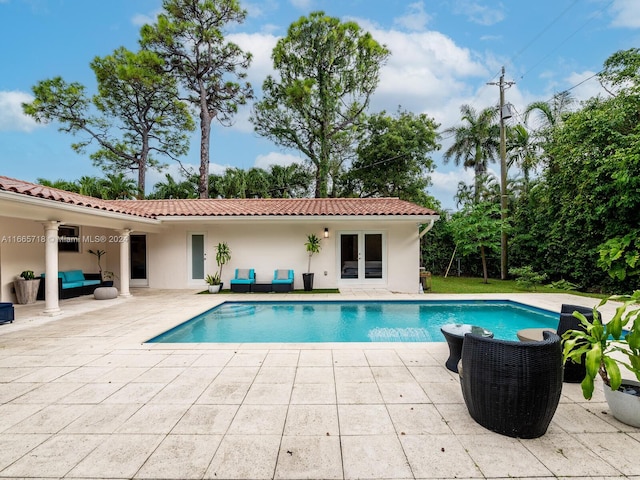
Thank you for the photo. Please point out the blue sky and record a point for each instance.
(443, 54)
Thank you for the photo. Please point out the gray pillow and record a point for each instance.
(243, 274)
(282, 275)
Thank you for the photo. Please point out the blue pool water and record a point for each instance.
(391, 321)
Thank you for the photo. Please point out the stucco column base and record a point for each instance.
(51, 313)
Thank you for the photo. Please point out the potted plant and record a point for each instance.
(223, 256)
(99, 254)
(606, 348)
(312, 246)
(26, 287)
(214, 283)
(107, 278)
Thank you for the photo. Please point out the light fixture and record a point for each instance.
(326, 232)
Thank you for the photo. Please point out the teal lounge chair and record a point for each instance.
(243, 280)
(282, 281)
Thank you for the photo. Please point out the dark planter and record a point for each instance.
(107, 283)
(307, 279)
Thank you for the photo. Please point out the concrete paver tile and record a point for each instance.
(259, 420)
(153, 418)
(407, 392)
(276, 375)
(313, 394)
(206, 420)
(315, 358)
(245, 456)
(16, 445)
(309, 457)
(614, 449)
(417, 419)
(312, 420)
(314, 375)
(564, 455)
(439, 456)
(103, 418)
(364, 420)
(117, 456)
(181, 457)
(353, 375)
(54, 457)
(375, 457)
(268, 394)
(50, 419)
(224, 392)
(501, 456)
(358, 393)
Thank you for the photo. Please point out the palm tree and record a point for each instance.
(550, 113)
(59, 184)
(289, 181)
(118, 187)
(522, 151)
(476, 142)
(90, 186)
(173, 189)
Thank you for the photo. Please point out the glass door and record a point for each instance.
(138, 260)
(197, 257)
(361, 256)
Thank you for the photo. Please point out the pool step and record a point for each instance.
(399, 335)
(234, 310)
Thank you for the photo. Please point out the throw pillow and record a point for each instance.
(243, 274)
(282, 275)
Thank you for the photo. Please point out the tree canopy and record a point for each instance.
(328, 70)
(189, 36)
(135, 115)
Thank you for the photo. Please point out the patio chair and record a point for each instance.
(282, 280)
(512, 388)
(243, 279)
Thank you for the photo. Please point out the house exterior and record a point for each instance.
(170, 244)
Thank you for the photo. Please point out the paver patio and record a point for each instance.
(82, 396)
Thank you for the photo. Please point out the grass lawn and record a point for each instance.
(477, 285)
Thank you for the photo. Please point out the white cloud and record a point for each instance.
(141, 19)
(626, 13)
(301, 4)
(12, 117)
(276, 158)
(415, 18)
(590, 88)
(480, 14)
(445, 185)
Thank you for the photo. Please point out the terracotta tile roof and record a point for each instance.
(225, 207)
(34, 190)
(275, 207)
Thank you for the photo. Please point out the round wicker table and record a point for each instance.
(454, 334)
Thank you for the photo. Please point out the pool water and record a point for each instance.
(364, 321)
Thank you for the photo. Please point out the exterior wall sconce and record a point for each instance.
(326, 232)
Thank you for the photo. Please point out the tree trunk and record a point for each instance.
(484, 265)
(205, 134)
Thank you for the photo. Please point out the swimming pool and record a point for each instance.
(353, 321)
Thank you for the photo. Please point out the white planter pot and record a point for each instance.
(214, 288)
(26, 290)
(624, 406)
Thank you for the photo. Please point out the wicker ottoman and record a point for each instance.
(105, 293)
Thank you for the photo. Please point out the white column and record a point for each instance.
(124, 262)
(51, 305)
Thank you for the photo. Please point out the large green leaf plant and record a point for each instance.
(607, 347)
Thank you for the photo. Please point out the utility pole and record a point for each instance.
(504, 114)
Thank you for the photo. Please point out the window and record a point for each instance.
(68, 239)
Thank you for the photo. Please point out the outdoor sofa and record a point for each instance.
(6, 312)
(72, 283)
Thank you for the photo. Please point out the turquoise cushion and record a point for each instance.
(91, 282)
(242, 281)
(74, 276)
(72, 284)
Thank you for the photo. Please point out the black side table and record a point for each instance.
(454, 334)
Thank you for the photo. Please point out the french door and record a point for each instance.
(362, 256)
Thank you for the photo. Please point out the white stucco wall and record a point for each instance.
(268, 245)
(264, 245)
